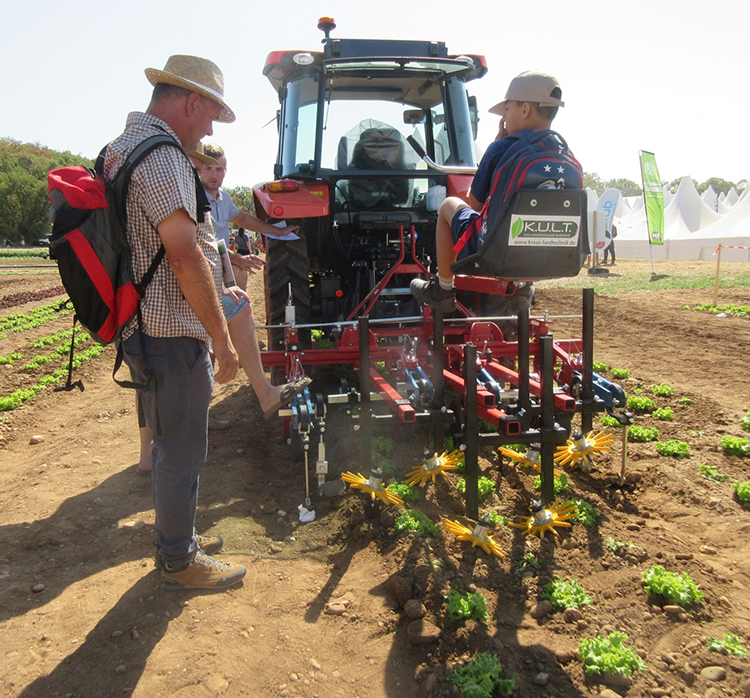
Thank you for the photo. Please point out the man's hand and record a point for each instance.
(247, 262)
(228, 361)
(286, 230)
(236, 293)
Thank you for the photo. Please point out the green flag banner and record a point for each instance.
(653, 198)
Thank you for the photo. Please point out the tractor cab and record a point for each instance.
(348, 175)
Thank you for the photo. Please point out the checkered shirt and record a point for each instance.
(160, 185)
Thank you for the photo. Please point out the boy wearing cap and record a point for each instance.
(530, 105)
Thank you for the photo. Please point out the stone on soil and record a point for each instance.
(542, 609)
(401, 588)
(415, 609)
(714, 673)
(422, 632)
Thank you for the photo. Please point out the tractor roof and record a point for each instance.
(357, 60)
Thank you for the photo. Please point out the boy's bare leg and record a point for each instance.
(242, 333)
(438, 292)
(444, 236)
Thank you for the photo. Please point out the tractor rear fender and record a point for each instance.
(309, 200)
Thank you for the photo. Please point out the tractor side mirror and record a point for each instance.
(474, 116)
(415, 116)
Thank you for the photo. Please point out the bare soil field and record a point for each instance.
(321, 611)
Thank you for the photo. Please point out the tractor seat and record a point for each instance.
(538, 234)
(379, 148)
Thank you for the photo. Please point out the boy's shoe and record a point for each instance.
(210, 545)
(203, 572)
(430, 293)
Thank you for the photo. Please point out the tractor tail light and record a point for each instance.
(282, 185)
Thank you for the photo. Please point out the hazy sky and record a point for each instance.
(658, 75)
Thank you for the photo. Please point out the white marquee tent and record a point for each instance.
(693, 230)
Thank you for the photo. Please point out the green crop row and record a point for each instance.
(52, 338)
(735, 310)
(18, 397)
(15, 253)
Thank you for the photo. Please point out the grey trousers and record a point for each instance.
(179, 379)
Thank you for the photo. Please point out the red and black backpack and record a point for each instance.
(90, 245)
(541, 160)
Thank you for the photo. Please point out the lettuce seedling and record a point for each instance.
(566, 594)
(382, 445)
(745, 422)
(673, 448)
(586, 513)
(675, 588)
(665, 414)
(561, 483)
(711, 472)
(463, 606)
(729, 644)
(413, 520)
(600, 366)
(486, 486)
(620, 373)
(608, 421)
(641, 403)
(615, 545)
(480, 678)
(405, 491)
(743, 491)
(662, 390)
(609, 655)
(496, 518)
(735, 445)
(642, 434)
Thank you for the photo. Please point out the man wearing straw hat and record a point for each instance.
(168, 351)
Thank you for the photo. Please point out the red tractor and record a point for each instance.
(373, 134)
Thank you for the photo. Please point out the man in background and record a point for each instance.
(224, 211)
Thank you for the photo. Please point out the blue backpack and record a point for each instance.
(541, 160)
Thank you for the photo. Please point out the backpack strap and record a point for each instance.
(121, 185)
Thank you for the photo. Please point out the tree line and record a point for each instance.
(630, 188)
(24, 203)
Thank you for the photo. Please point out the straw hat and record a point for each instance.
(197, 75)
(200, 155)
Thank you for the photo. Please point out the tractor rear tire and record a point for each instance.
(287, 263)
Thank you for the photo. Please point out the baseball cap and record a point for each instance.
(531, 87)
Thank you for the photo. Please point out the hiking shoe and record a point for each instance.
(203, 572)
(210, 545)
(430, 293)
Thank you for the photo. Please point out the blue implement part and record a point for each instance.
(420, 389)
(611, 394)
(489, 383)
